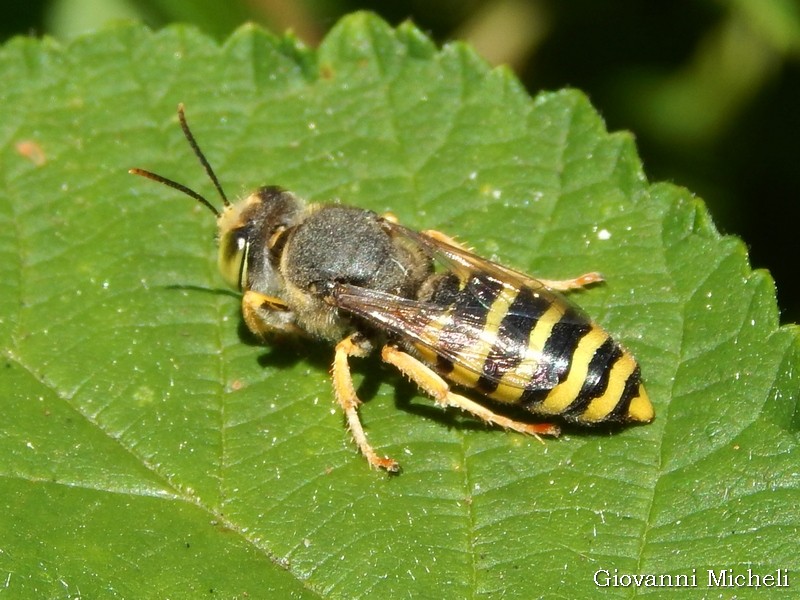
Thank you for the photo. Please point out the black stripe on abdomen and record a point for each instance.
(596, 381)
(557, 357)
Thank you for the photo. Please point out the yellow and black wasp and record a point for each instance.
(440, 314)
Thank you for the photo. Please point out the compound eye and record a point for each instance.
(233, 246)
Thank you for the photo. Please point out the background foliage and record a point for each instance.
(710, 87)
(152, 448)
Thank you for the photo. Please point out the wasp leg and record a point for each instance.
(266, 315)
(560, 285)
(566, 285)
(355, 345)
(439, 390)
(443, 237)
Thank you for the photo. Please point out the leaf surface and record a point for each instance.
(152, 449)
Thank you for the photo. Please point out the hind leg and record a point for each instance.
(560, 285)
(439, 390)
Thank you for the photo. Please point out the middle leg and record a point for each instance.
(355, 345)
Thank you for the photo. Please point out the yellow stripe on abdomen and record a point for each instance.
(512, 384)
(475, 356)
(567, 391)
(601, 406)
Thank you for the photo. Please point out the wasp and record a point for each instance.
(439, 313)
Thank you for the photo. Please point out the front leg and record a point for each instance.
(355, 345)
(267, 315)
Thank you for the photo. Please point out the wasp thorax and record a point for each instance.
(343, 244)
(250, 232)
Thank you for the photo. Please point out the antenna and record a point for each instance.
(199, 154)
(203, 161)
(175, 185)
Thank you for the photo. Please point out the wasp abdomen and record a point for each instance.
(533, 348)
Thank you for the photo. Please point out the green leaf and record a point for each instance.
(150, 448)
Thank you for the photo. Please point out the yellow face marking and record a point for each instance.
(565, 392)
(602, 405)
(512, 384)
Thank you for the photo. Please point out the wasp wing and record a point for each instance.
(466, 264)
(463, 262)
(502, 352)
(462, 340)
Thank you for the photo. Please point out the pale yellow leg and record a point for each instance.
(561, 285)
(355, 345)
(566, 285)
(440, 391)
(443, 237)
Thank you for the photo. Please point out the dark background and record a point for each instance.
(710, 88)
